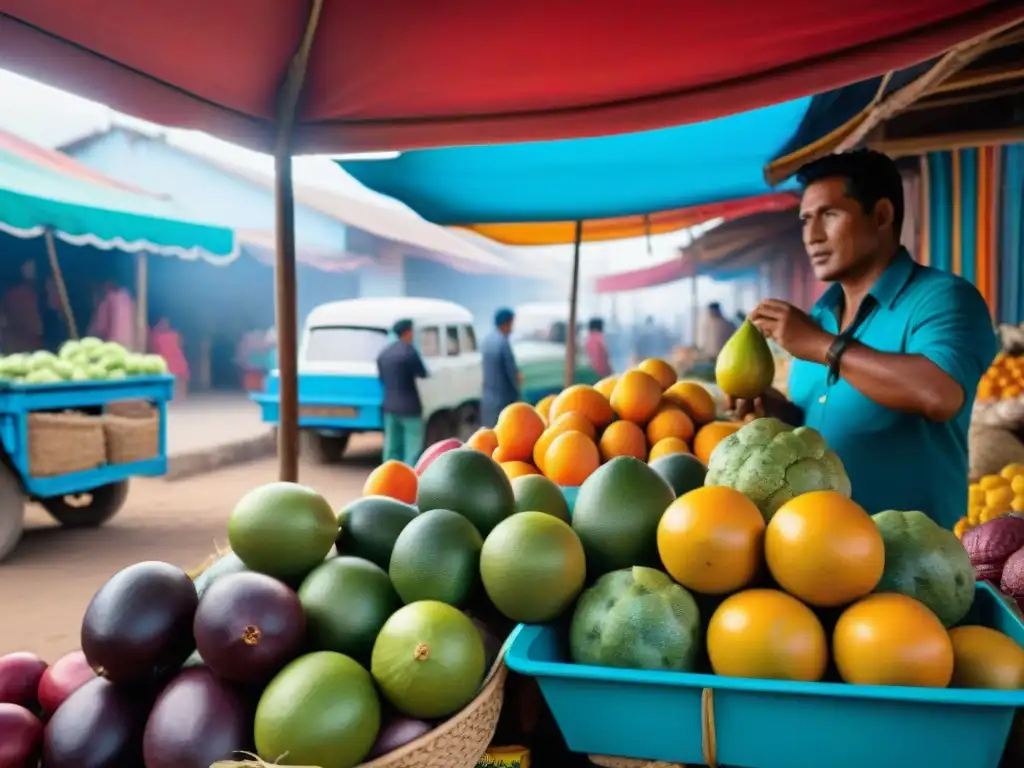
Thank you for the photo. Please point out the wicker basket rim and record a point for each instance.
(495, 679)
(72, 419)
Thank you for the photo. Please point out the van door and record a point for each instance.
(433, 388)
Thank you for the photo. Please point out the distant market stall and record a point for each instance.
(76, 426)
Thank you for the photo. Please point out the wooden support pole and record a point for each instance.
(284, 268)
(574, 297)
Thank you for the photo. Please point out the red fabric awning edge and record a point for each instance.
(67, 66)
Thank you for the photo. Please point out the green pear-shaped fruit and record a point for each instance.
(745, 366)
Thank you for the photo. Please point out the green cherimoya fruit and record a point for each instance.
(770, 463)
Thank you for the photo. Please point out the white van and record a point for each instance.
(339, 389)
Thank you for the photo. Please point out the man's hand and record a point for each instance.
(771, 403)
(792, 330)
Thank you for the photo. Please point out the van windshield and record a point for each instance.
(344, 344)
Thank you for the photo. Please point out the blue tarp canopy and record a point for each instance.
(514, 192)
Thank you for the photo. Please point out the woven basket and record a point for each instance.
(63, 443)
(625, 762)
(459, 742)
(131, 439)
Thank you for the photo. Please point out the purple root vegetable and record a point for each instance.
(396, 732)
(993, 542)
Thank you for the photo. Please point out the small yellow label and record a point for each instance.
(505, 757)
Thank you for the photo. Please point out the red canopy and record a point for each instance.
(399, 74)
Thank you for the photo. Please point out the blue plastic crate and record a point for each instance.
(570, 493)
(771, 723)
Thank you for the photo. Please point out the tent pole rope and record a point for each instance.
(574, 295)
(58, 278)
(284, 268)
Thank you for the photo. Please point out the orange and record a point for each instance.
(710, 435)
(669, 421)
(769, 635)
(693, 398)
(667, 446)
(662, 372)
(393, 479)
(606, 385)
(711, 540)
(563, 423)
(623, 438)
(580, 398)
(985, 658)
(519, 427)
(824, 549)
(543, 407)
(891, 639)
(500, 456)
(516, 469)
(483, 440)
(636, 397)
(571, 458)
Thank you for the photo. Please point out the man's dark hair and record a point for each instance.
(595, 324)
(870, 176)
(402, 326)
(715, 307)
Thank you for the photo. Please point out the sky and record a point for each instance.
(51, 117)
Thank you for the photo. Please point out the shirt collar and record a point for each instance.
(887, 287)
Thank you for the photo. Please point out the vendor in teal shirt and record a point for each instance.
(887, 363)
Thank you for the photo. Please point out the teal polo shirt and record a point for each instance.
(898, 460)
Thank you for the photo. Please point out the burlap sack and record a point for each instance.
(991, 449)
(1005, 414)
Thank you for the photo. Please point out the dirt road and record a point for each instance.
(48, 582)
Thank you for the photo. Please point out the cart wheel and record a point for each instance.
(90, 509)
(328, 449)
(12, 511)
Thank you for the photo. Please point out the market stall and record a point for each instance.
(425, 662)
(75, 426)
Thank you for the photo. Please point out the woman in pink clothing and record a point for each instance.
(597, 349)
(114, 319)
(166, 342)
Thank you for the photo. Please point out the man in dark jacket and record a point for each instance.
(399, 365)
(501, 376)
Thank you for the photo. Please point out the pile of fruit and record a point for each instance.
(309, 639)
(996, 549)
(992, 497)
(89, 359)
(1004, 380)
(644, 413)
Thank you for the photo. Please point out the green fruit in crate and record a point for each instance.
(347, 600)
(470, 483)
(617, 513)
(321, 710)
(926, 562)
(437, 557)
(771, 463)
(369, 526)
(533, 567)
(282, 529)
(429, 660)
(683, 471)
(535, 493)
(636, 618)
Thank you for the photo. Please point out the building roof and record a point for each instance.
(396, 224)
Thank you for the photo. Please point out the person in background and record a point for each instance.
(740, 318)
(114, 319)
(597, 349)
(714, 331)
(887, 363)
(399, 366)
(166, 342)
(23, 330)
(502, 378)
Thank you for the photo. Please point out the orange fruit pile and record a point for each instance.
(645, 413)
(1004, 380)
